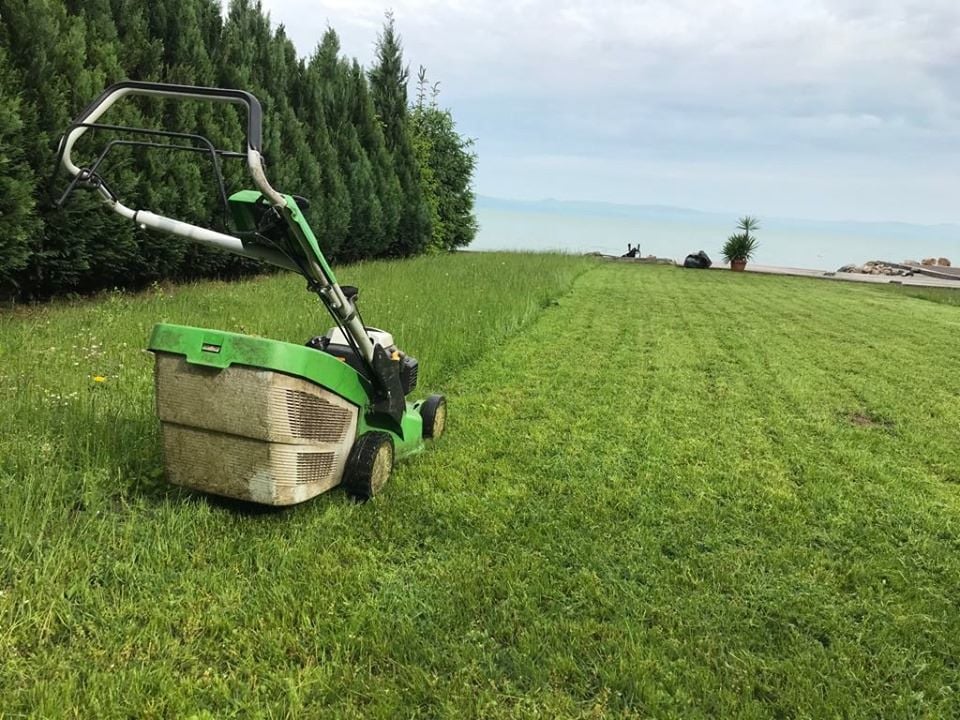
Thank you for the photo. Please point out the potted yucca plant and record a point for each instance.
(741, 246)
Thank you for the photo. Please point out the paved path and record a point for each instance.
(912, 280)
(916, 280)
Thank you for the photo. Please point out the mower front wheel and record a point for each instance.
(433, 411)
(369, 465)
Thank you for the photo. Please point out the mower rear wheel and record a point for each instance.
(369, 465)
(433, 410)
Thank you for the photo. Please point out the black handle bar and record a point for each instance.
(136, 87)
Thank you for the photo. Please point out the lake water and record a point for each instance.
(675, 233)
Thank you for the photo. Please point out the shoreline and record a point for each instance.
(918, 279)
(922, 277)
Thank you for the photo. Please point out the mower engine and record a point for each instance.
(335, 343)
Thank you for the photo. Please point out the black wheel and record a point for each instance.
(369, 465)
(433, 410)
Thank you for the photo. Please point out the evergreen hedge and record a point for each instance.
(384, 179)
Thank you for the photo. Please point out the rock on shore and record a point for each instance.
(904, 269)
(876, 267)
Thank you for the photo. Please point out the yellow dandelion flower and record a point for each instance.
(99, 378)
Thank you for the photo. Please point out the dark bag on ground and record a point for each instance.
(698, 260)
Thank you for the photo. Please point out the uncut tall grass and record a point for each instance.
(76, 393)
(81, 472)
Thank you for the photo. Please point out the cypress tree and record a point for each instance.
(17, 217)
(364, 233)
(238, 60)
(317, 91)
(447, 166)
(424, 152)
(118, 258)
(370, 137)
(48, 48)
(388, 80)
(174, 183)
(141, 53)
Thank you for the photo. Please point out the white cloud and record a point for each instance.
(808, 83)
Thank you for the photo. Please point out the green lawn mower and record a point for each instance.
(247, 417)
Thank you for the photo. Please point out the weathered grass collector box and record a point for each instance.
(250, 418)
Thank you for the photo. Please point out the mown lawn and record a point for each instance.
(662, 493)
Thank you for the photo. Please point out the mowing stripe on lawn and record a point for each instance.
(673, 509)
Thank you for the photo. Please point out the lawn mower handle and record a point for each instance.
(315, 268)
(125, 88)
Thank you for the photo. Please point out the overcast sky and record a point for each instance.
(825, 109)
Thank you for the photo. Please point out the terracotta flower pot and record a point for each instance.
(738, 264)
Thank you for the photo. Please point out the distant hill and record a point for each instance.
(581, 208)
(549, 206)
